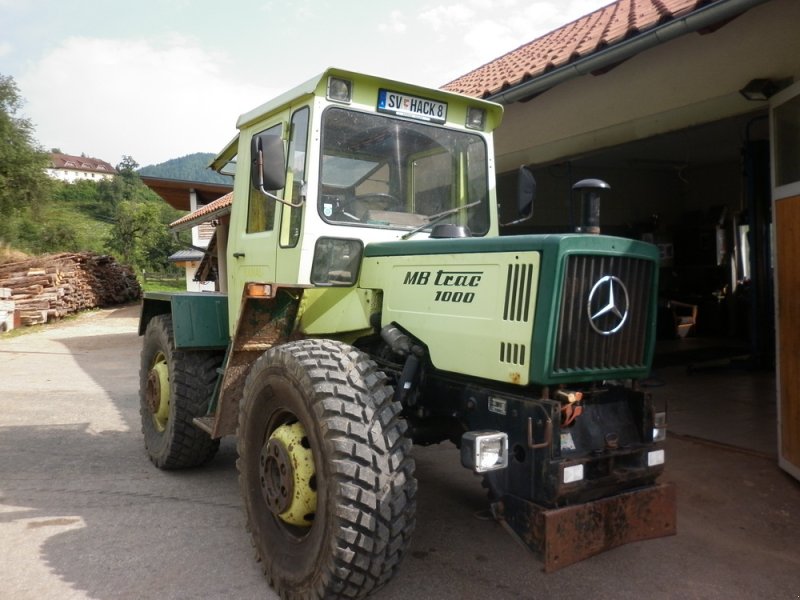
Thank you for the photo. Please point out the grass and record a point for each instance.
(169, 285)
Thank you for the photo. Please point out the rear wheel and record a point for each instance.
(325, 471)
(174, 387)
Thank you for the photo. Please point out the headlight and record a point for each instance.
(476, 118)
(484, 451)
(336, 261)
(340, 90)
(659, 427)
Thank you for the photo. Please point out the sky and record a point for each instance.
(160, 79)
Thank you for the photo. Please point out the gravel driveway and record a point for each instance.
(84, 514)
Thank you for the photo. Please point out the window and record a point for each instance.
(261, 209)
(292, 216)
(380, 171)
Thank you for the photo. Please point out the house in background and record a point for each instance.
(208, 205)
(69, 168)
(204, 272)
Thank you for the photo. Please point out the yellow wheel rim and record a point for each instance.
(157, 394)
(288, 480)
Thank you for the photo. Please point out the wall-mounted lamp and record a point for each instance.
(759, 90)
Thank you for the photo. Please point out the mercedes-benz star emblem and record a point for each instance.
(608, 305)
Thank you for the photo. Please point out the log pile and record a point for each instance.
(52, 286)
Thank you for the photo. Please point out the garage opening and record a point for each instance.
(703, 195)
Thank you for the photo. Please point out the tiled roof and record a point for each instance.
(205, 213)
(186, 256)
(612, 24)
(80, 163)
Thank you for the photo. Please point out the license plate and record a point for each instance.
(411, 106)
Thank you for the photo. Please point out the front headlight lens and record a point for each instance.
(484, 451)
(476, 118)
(659, 427)
(336, 261)
(340, 90)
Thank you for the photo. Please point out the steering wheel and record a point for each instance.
(392, 202)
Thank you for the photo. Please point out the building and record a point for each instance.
(66, 167)
(690, 110)
(208, 205)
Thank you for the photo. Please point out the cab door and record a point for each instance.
(785, 153)
(253, 238)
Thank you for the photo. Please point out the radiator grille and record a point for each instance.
(518, 293)
(579, 345)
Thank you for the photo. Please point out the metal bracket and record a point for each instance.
(548, 434)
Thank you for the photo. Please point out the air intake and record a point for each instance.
(518, 293)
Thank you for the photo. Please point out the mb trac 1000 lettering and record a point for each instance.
(365, 302)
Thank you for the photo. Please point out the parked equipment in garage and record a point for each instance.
(369, 304)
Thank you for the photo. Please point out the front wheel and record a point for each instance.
(325, 471)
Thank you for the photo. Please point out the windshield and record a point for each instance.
(381, 171)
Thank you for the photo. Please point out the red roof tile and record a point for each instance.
(80, 163)
(205, 213)
(604, 27)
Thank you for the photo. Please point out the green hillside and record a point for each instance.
(192, 167)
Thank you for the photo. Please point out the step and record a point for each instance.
(205, 423)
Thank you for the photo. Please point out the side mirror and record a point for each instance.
(268, 162)
(526, 194)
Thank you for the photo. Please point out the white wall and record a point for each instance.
(691, 80)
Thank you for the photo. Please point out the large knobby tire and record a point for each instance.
(174, 387)
(318, 424)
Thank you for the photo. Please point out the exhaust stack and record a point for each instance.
(589, 190)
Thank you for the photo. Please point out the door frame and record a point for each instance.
(787, 192)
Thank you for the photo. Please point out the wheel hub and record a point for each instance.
(157, 393)
(288, 482)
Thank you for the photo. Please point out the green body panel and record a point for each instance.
(199, 319)
(482, 337)
(454, 304)
(330, 311)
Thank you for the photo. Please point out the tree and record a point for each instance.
(139, 237)
(126, 186)
(23, 182)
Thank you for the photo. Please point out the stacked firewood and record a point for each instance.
(52, 286)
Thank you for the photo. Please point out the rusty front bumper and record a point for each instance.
(563, 536)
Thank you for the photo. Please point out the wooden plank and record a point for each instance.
(787, 235)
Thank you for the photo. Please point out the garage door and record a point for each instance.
(785, 136)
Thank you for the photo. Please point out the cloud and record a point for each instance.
(396, 23)
(152, 100)
(478, 31)
(444, 18)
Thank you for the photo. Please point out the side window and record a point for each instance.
(292, 217)
(260, 209)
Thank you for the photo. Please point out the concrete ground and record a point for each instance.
(83, 514)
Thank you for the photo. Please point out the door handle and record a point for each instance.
(238, 255)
